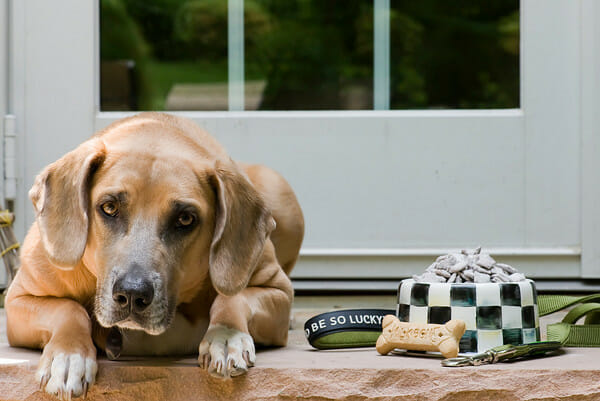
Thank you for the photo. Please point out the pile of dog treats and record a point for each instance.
(469, 267)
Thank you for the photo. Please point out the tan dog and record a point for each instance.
(150, 240)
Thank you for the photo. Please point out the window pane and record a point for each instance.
(163, 55)
(308, 54)
(454, 54)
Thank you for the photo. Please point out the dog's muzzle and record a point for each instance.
(135, 299)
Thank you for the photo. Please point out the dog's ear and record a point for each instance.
(60, 196)
(242, 224)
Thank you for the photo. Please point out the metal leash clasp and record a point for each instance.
(493, 355)
(474, 360)
(504, 353)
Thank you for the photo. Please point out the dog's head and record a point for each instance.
(151, 212)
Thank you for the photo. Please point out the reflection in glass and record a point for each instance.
(308, 54)
(454, 54)
(163, 55)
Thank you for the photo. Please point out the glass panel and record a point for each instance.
(308, 54)
(163, 55)
(454, 54)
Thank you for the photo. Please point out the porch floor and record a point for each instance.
(299, 372)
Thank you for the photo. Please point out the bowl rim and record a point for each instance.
(408, 280)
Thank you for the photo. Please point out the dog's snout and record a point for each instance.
(133, 291)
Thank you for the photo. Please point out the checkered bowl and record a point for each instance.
(494, 313)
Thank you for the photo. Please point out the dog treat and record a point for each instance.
(420, 337)
(469, 267)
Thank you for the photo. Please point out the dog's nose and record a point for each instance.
(133, 290)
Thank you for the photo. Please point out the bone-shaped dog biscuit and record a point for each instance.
(420, 337)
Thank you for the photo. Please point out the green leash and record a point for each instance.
(567, 332)
(361, 327)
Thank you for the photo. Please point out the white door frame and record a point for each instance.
(3, 102)
(3, 58)
(4, 109)
(547, 204)
(590, 139)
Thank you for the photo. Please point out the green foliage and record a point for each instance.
(201, 26)
(121, 36)
(407, 84)
(156, 19)
(308, 55)
(165, 74)
(121, 39)
(312, 53)
(466, 54)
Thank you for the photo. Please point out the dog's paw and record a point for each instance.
(226, 352)
(65, 374)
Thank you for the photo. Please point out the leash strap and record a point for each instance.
(361, 327)
(567, 332)
(348, 328)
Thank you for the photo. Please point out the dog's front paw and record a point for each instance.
(226, 352)
(66, 374)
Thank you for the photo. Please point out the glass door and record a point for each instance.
(406, 128)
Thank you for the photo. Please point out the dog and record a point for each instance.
(150, 240)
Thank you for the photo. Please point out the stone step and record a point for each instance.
(300, 372)
(297, 372)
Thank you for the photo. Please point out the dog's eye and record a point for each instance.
(109, 208)
(185, 219)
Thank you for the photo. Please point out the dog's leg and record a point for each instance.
(255, 314)
(260, 312)
(62, 328)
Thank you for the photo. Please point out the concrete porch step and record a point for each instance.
(299, 372)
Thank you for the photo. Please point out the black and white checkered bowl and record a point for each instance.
(494, 313)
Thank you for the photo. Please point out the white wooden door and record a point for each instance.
(383, 192)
